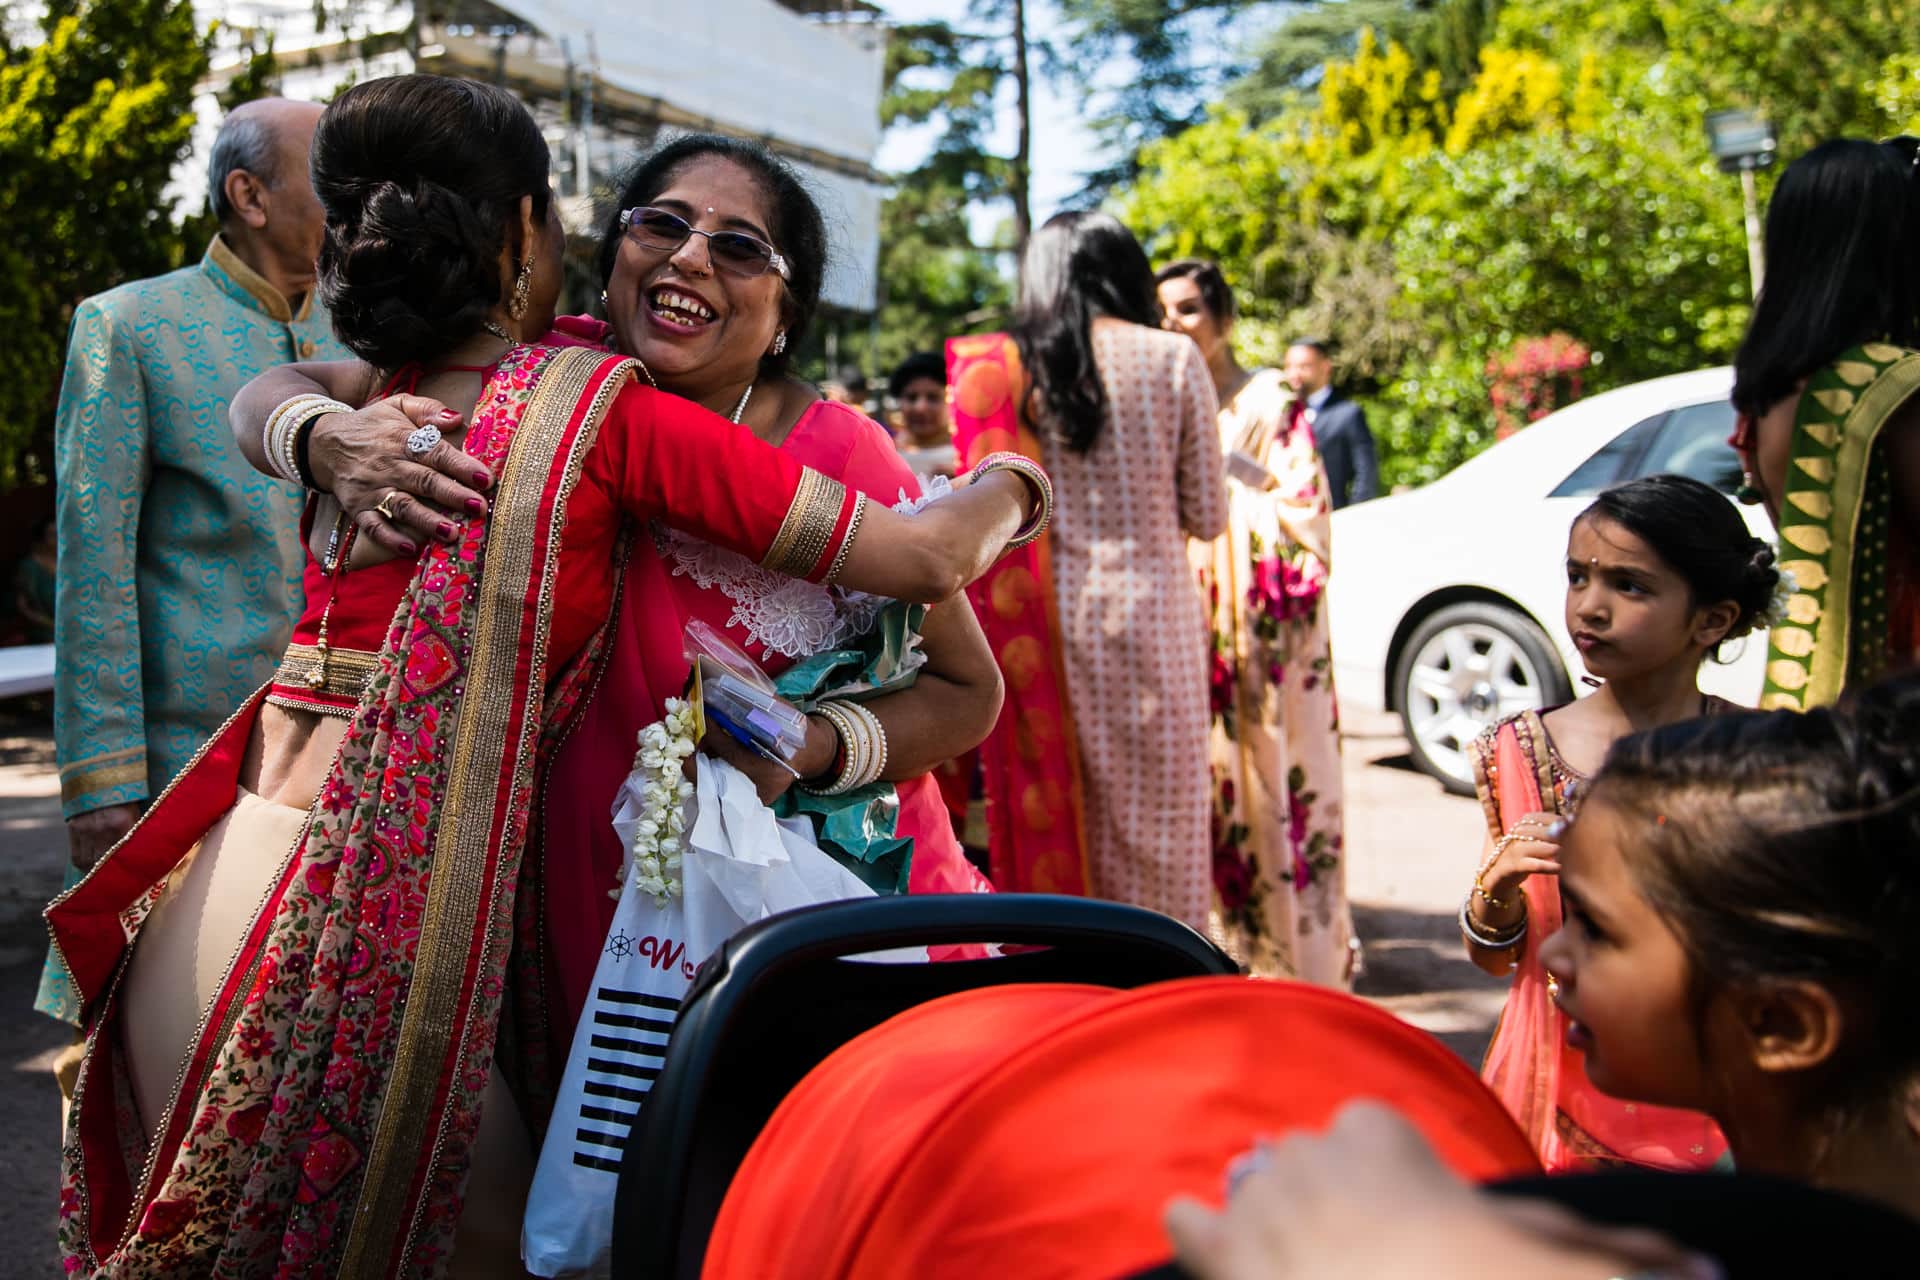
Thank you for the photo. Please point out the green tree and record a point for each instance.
(92, 120)
(936, 281)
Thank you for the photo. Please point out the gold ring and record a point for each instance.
(383, 506)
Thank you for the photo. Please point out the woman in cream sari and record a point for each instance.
(1279, 865)
(303, 1086)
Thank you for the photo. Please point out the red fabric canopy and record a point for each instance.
(1039, 1131)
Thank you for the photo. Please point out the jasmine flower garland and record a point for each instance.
(1784, 587)
(660, 836)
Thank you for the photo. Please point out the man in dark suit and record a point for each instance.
(1339, 425)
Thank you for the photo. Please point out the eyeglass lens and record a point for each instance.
(735, 250)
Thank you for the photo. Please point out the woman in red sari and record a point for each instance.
(679, 302)
(294, 967)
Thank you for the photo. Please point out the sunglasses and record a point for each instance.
(736, 251)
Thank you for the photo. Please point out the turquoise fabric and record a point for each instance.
(178, 578)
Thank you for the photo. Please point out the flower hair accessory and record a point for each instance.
(660, 835)
(1784, 587)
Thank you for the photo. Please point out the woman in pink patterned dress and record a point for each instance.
(1097, 772)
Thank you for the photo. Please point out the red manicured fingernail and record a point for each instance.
(481, 480)
(476, 506)
(449, 415)
(444, 529)
(408, 549)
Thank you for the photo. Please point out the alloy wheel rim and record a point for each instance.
(1463, 680)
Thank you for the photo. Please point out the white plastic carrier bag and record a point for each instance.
(740, 865)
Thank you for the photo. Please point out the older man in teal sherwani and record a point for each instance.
(179, 564)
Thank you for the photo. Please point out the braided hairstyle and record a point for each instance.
(1780, 845)
(421, 177)
(1699, 533)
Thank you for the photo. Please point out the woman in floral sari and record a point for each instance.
(294, 967)
(1827, 386)
(1279, 863)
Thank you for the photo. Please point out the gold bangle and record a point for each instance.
(1036, 477)
(846, 541)
(1498, 904)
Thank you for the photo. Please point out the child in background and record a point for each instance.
(919, 387)
(1660, 572)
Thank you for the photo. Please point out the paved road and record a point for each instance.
(1411, 847)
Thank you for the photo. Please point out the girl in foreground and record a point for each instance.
(1660, 572)
(1743, 895)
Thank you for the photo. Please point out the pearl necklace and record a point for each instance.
(742, 406)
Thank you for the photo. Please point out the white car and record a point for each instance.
(1448, 603)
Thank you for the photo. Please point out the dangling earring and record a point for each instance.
(1749, 491)
(523, 282)
(603, 299)
(779, 342)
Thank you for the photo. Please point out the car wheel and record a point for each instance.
(1465, 668)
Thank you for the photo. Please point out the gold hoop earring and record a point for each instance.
(522, 285)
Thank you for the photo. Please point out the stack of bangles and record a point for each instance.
(1030, 471)
(862, 756)
(1500, 938)
(285, 436)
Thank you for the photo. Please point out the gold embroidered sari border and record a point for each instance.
(339, 673)
(811, 519)
(486, 733)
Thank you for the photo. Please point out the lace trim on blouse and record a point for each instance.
(783, 615)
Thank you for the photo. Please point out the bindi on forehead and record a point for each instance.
(1599, 543)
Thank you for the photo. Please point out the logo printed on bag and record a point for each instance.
(661, 953)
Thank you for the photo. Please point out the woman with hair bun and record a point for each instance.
(1827, 386)
(1279, 862)
(1661, 572)
(295, 967)
(691, 292)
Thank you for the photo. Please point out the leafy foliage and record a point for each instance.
(92, 120)
(1429, 222)
(936, 281)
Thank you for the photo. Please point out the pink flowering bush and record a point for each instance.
(1532, 378)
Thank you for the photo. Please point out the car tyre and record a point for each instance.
(1466, 667)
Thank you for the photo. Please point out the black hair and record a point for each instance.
(1842, 266)
(921, 364)
(1320, 345)
(1078, 266)
(421, 178)
(1215, 293)
(1783, 845)
(799, 232)
(1700, 535)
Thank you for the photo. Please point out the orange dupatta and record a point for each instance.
(1031, 764)
(1544, 1083)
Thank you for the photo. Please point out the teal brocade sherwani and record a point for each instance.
(179, 567)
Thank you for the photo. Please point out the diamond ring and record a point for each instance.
(420, 441)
